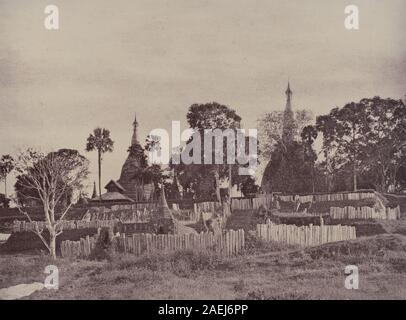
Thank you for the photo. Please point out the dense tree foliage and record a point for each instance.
(363, 146)
(203, 180)
(365, 141)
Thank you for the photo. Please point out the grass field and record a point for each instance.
(265, 271)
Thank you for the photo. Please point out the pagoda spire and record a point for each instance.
(134, 139)
(94, 194)
(288, 128)
(289, 94)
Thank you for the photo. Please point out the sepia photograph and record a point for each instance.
(202, 150)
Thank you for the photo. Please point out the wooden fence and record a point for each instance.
(186, 216)
(304, 235)
(327, 197)
(124, 215)
(251, 203)
(228, 244)
(23, 226)
(4, 237)
(206, 206)
(241, 204)
(364, 213)
(78, 249)
(135, 206)
(209, 208)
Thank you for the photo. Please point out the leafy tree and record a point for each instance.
(153, 172)
(249, 186)
(212, 116)
(6, 166)
(384, 142)
(26, 196)
(4, 201)
(50, 179)
(364, 139)
(100, 141)
(344, 131)
(209, 116)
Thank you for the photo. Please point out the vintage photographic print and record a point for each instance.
(202, 150)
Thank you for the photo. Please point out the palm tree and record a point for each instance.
(100, 140)
(6, 166)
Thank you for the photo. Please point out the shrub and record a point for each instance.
(183, 263)
(105, 247)
(254, 245)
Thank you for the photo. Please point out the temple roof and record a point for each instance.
(116, 184)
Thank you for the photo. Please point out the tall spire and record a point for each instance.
(289, 94)
(94, 194)
(134, 139)
(288, 129)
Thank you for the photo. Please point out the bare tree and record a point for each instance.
(51, 180)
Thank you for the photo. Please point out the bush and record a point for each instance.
(254, 245)
(105, 247)
(375, 246)
(183, 263)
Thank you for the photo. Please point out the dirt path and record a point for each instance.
(20, 291)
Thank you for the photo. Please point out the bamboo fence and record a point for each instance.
(327, 197)
(229, 243)
(364, 213)
(251, 203)
(23, 226)
(305, 235)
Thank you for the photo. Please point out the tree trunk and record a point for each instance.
(230, 185)
(395, 172)
(327, 182)
(99, 162)
(217, 179)
(5, 186)
(354, 165)
(52, 244)
(313, 185)
(354, 173)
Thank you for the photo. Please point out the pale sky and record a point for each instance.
(110, 59)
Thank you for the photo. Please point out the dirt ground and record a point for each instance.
(265, 271)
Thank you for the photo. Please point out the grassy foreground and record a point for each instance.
(266, 271)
